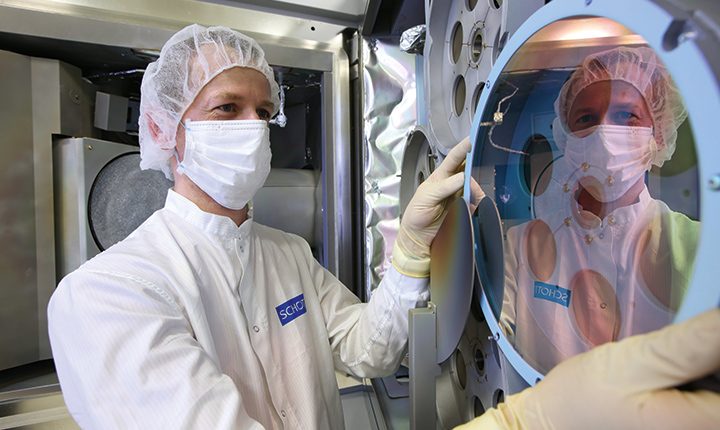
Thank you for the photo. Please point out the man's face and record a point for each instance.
(606, 103)
(610, 103)
(237, 93)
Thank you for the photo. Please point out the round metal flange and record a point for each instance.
(418, 163)
(463, 40)
(470, 377)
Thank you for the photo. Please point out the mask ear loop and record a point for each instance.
(654, 148)
(180, 167)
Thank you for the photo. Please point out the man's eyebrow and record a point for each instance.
(233, 96)
(585, 109)
(628, 104)
(228, 95)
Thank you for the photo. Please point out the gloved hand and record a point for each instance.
(426, 212)
(625, 385)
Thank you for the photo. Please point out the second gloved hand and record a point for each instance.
(626, 385)
(426, 212)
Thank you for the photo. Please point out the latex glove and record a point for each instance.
(426, 212)
(625, 385)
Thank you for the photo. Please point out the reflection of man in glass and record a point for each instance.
(609, 261)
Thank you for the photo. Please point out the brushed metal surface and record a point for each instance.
(19, 313)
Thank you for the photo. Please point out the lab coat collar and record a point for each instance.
(620, 218)
(628, 215)
(214, 224)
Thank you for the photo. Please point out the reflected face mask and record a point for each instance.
(623, 153)
(229, 160)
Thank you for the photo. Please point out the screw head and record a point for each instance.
(714, 182)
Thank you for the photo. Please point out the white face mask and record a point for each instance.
(229, 160)
(624, 153)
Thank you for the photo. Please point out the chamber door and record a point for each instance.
(587, 168)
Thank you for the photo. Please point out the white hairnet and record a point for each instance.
(188, 61)
(641, 68)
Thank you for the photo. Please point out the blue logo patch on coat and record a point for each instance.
(291, 309)
(552, 293)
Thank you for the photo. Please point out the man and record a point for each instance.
(201, 319)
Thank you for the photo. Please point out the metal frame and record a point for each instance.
(423, 367)
(287, 41)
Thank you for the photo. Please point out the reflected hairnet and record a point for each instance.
(187, 62)
(641, 68)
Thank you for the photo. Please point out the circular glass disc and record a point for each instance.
(590, 169)
(451, 276)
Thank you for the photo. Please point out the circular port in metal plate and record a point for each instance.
(459, 94)
(460, 369)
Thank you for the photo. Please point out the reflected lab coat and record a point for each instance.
(180, 326)
(545, 329)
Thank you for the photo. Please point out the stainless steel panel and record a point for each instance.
(336, 169)
(347, 13)
(91, 171)
(40, 98)
(18, 268)
(295, 190)
(107, 21)
(59, 106)
(35, 409)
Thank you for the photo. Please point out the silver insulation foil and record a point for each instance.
(412, 40)
(389, 113)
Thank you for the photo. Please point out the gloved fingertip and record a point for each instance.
(458, 179)
(466, 144)
(456, 156)
(451, 185)
(439, 191)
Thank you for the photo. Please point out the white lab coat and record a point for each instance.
(179, 327)
(610, 279)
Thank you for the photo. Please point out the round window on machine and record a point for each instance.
(122, 197)
(592, 163)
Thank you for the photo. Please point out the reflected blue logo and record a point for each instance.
(552, 293)
(291, 309)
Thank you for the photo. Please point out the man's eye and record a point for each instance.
(624, 116)
(585, 120)
(263, 114)
(225, 108)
